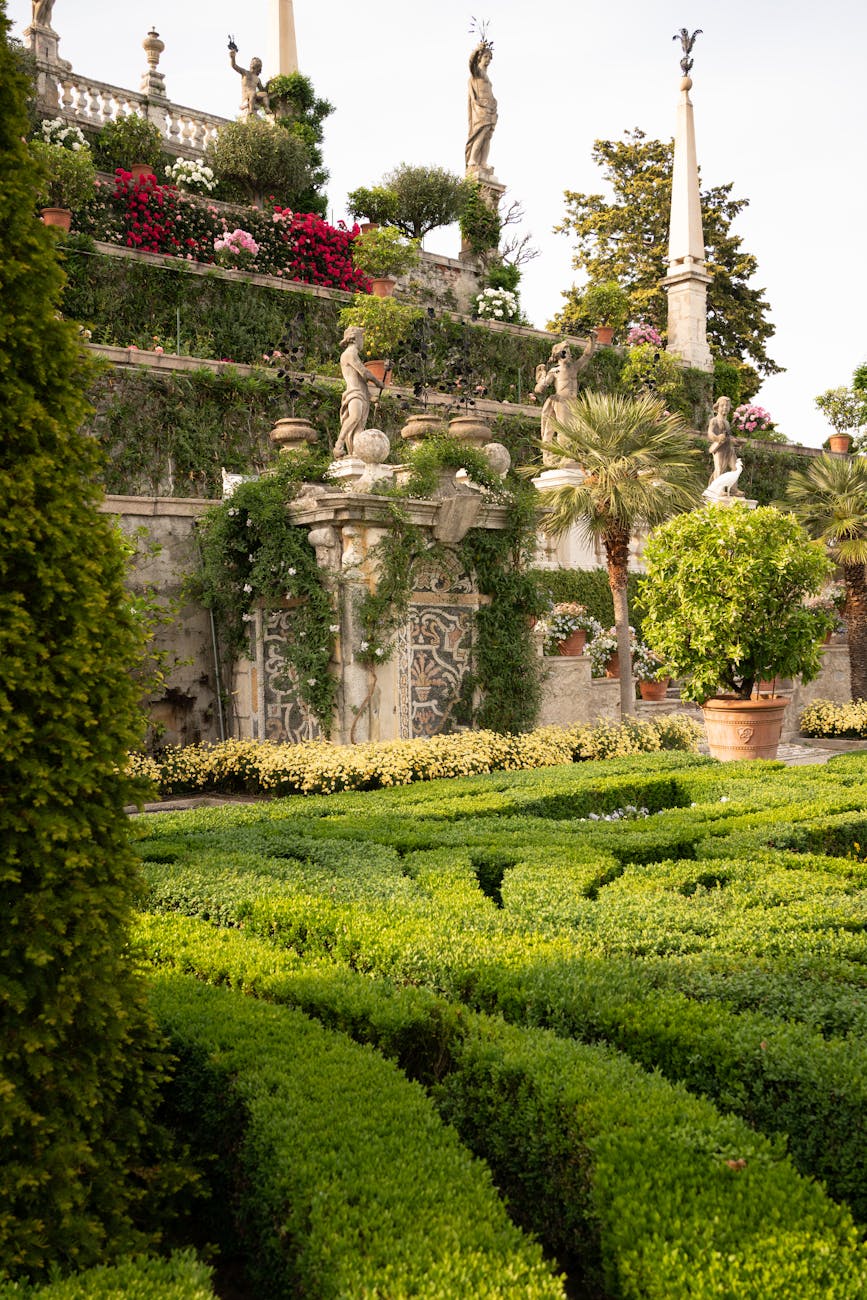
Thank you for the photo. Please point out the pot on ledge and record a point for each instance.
(382, 287)
(653, 690)
(59, 217)
(573, 644)
(605, 335)
(382, 370)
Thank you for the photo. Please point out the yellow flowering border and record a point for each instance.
(317, 767)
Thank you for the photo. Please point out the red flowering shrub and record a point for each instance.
(156, 218)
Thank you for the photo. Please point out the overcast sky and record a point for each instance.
(779, 95)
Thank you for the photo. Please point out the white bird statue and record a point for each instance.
(723, 485)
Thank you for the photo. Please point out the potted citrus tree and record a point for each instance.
(723, 599)
(605, 306)
(845, 410)
(384, 254)
(68, 180)
(386, 324)
(132, 143)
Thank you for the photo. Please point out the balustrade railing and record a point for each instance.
(87, 102)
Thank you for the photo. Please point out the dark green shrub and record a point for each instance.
(80, 1069)
(252, 158)
(128, 140)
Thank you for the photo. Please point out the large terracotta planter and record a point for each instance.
(612, 668)
(604, 335)
(840, 442)
(138, 170)
(573, 644)
(383, 287)
(653, 690)
(378, 368)
(59, 217)
(739, 729)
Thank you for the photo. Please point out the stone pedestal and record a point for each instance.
(44, 42)
(571, 694)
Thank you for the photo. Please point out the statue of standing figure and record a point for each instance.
(355, 402)
(42, 12)
(253, 94)
(482, 108)
(721, 444)
(562, 370)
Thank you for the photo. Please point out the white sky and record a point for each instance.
(779, 105)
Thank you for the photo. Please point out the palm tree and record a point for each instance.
(640, 467)
(830, 500)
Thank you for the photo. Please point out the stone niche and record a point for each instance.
(416, 692)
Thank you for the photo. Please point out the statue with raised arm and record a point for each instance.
(562, 370)
(482, 108)
(42, 12)
(355, 402)
(721, 444)
(253, 94)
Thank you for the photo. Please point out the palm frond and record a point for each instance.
(829, 498)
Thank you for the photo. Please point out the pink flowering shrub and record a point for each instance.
(748, 419)
(236, 248)
(644, 334)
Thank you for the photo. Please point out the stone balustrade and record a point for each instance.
(89, 103)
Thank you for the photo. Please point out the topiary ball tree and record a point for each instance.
(723, 599)
(78, 1075)
(254, 158)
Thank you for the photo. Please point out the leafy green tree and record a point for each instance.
(415, 199)
(724, 599)
(640, 467)
(253, 158)
(78, 1071)
(300, 111)
(624, 237)
(829, 497)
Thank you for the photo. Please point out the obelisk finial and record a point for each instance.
(687, 42)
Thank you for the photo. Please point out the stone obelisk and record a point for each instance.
(281, 36)
(687, 279)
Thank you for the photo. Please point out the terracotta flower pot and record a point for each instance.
(605, 335)
(573, 644)
(382, 288)
(739, 729)
(653, 690)
(840, 442)
(141, 169)
(378, 368)
(59, 217)
(612, 668)
(368, 225)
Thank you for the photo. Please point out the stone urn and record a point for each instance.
(470, 429)
(421, 426)
(738, 729)
(291, 434)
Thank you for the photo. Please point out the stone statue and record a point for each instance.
(721, 444)
(724, 485)
(42, 12)
(355, 403)
(687, 43)
(482, 108)
(253, 94)
(562, 370)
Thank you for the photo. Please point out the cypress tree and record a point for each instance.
(79, 1068)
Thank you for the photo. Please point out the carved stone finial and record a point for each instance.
(153, 48)
(687, 42)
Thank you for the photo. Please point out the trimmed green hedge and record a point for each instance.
(649, 1190)
(346, 1181)
(180, 1277)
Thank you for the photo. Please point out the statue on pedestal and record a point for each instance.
(562, 370)
(482, 109)
(355, 403)
(253, 94)
(42, 13)
(722, 445)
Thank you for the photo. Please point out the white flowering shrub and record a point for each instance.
(56, 131)
(497, 304)
(190, 174)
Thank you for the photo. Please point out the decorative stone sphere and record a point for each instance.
(686, 83)
(497, 457)
(372, 446)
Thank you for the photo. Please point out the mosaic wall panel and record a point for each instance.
(283, 716)
(435, 651)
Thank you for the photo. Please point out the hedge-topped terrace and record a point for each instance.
(673, 914)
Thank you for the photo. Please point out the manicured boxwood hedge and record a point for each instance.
(179, 1277)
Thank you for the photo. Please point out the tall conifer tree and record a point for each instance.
(77, 1067)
